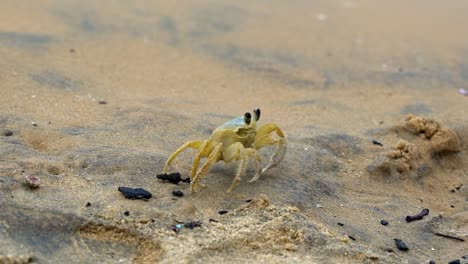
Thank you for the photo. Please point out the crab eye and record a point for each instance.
(256, 114)
(247, 118)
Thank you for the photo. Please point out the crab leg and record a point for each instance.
(203, 151)
(237, 151)
(264, 138)
(212, 159)
(191, 144)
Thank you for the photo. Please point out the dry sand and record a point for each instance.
(334, 75)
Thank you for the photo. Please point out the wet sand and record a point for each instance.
(334, 75)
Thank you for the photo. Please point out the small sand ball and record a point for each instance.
(32, 181)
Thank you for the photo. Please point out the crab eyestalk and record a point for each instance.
(247, 118)
(256, 112)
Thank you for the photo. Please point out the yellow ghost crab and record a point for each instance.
(238, 139)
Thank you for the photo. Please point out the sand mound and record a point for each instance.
(423, 139)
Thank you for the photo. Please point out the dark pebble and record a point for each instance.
(193, 224)
(375, 142)
(126, 213)
(88, 204)
(352, 238)
(172, 178)
(384, 222)
(7, 133)
(401, 245)
(102, 102)
(419, 216)
(223, 212)
(32, 181)
(178, 193)
(432, 262)
(137, 193)
(213, 220)
(456, 261)
(340, 224)
(248, 201)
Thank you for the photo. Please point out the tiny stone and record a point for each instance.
(352, 238)
(318, 206)
(384, 222)
(178, 193)
(32, 181)
(102, 102)
(432, 262)
(456, 261)
(143, 221)
(137, 193)
(193, 224)
(126, 213)
(223, 212)
(88, 204)
(34, 124)
(340, 224)
(173, 178)
(7, 133)
(375, 142)
(401, 245)
(213, 220)
(248, 201)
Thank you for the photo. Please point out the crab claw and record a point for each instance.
(278, 156)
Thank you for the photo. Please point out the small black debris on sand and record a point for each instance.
(340, 224)
(102, 102)
(176, 228)
(71, 50)
(32, 181)
(384, 222)
(137, 193)
(223, 212)
(213, 220)
(126, 213)
(449, 236)
(432, 262)
(193, 224)
(172, 178)
(178, 193)
(401, 245)
(419, 216)
(7, 133)
(456, 261)
(88, 204)
(352, 238)
(248, 201)
(375, 142)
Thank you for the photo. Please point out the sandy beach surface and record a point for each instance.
(96, 95)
